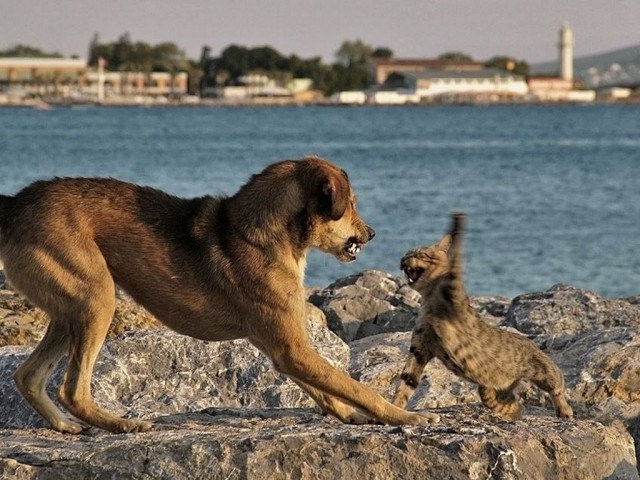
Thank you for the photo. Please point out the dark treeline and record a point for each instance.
(348, 72)
(27, 51)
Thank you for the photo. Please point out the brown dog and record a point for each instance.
(211, 268)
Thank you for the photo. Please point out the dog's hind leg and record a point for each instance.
(89, 322)
(31, 378)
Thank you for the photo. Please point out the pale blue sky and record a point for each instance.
(524, 29)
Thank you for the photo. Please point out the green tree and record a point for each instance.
(350, 72)
(122, 55)
(206, 66)
(457, 57)
(234, 60)
(353, 53)
(27, 51)
(508, 64)
(382, 52)
(167, 57)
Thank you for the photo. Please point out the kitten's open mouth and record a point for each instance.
(413, 274)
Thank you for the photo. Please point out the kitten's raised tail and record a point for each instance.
(456, 266)
(458, 224)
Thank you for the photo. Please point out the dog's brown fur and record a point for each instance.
(211, 268)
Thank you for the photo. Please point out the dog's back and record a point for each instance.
(152, 244)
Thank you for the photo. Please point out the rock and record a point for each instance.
(221, 411)
(367, 304)
(298, 443)
(23, 324)
(150, 372)
(374, 302)
(378, 361)
(564, 309)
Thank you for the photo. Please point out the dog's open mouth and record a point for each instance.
(352, 249)
(413, 274)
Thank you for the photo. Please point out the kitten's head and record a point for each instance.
(424, 265)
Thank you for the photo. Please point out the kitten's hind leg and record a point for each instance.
(503, 402)
(552, 381)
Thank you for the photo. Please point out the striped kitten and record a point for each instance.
(449, 329)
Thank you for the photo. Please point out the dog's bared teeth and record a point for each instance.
(353, 249)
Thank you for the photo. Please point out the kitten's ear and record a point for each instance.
(445, 243)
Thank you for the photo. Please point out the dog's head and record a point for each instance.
(333, 223)
(424, 265)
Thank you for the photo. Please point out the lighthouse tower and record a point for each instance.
(565, 50)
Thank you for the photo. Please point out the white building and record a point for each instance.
(351, 97)
(431, 84)
(122, 84)
(565, 52)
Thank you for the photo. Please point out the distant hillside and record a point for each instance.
(617, 67)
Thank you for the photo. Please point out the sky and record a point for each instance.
(524, 29)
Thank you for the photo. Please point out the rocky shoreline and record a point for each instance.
(221, 411)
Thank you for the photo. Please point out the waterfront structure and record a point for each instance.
(565, 52)
(132, 84)
(615, 93)
(380, 68)
(24, 76)
(432, 84)
(557, 89)
(351, 97)
(549, 88)
(71, 79)
(560, 88)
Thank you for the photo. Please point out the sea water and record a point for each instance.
(552, 191)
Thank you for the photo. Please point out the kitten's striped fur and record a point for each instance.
(448, 328)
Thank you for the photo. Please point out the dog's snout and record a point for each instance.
(371, 232)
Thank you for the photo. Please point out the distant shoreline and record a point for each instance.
(39, 104)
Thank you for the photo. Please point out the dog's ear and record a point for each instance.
(327, 188)
(334, 193)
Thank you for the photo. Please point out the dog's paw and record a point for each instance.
(431, 417)
(133, 426)
(358, 418)
(68, 425)
(424, 418)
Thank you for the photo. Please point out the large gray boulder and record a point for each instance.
(221, 411)
(150, 372)
(300, 444)
(566, 310)
(375, 302)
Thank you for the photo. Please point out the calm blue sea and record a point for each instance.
(552, 192)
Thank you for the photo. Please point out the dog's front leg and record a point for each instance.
(329, 404)
(289, 349)
(334, 406)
